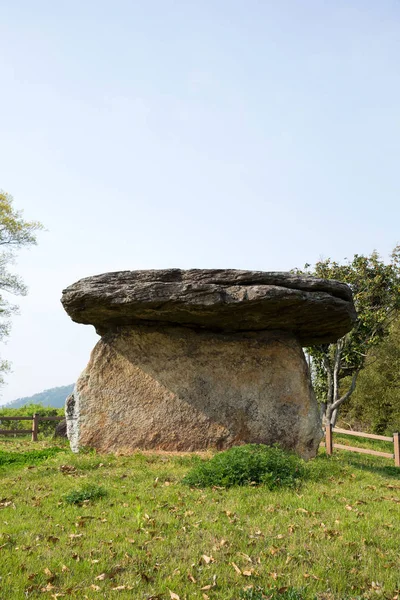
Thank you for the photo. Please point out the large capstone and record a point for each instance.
(190, 360)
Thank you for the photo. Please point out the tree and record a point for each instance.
(375, 404)
(15, 233)
(376, 292)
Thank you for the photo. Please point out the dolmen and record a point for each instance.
(197, 359)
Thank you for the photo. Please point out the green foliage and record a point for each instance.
(32, 457)
(28, 410)
(245, 465)
(86, 493)
(375, 404)
(282, 593)
(15, 233)
(376, 291)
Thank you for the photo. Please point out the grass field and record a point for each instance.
(151, 537)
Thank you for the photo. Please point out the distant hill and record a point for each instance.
(54, 397)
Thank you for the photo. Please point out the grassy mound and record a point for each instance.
(250, 464)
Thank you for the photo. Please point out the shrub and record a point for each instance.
(86, 493)
(250, 464)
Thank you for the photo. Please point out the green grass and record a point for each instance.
(335, 538)
(31, 457)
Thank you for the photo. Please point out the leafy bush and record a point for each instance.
(45, 427)
(26, 458)
(250, 464)
(86, 493)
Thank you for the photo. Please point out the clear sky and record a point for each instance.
(249, 134)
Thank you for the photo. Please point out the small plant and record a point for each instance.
(86, 493)
(251, 464)
(138, 515)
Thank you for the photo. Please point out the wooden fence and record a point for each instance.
(35, 425)
(395, 439)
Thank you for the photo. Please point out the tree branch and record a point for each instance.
(347, 395)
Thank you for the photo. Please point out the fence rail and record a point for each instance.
(35, 425)
(330, 445)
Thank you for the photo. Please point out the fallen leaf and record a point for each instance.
(238, 571)
(173, 595)
(67, 469)
(50, 576)
(245, 556)
(248, 573)
(207, 559)
(96, 588)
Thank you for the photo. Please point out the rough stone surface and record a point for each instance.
(61, 429)
(314, 310)
(174, 388)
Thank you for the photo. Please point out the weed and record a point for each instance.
(86, 493)
(138, 516)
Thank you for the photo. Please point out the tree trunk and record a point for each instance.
(332, 408)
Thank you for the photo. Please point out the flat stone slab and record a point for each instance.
(313, 310)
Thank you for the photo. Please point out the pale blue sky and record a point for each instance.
(244, 134)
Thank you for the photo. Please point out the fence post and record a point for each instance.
(328, 439)
(396, 443)
(35, 425)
